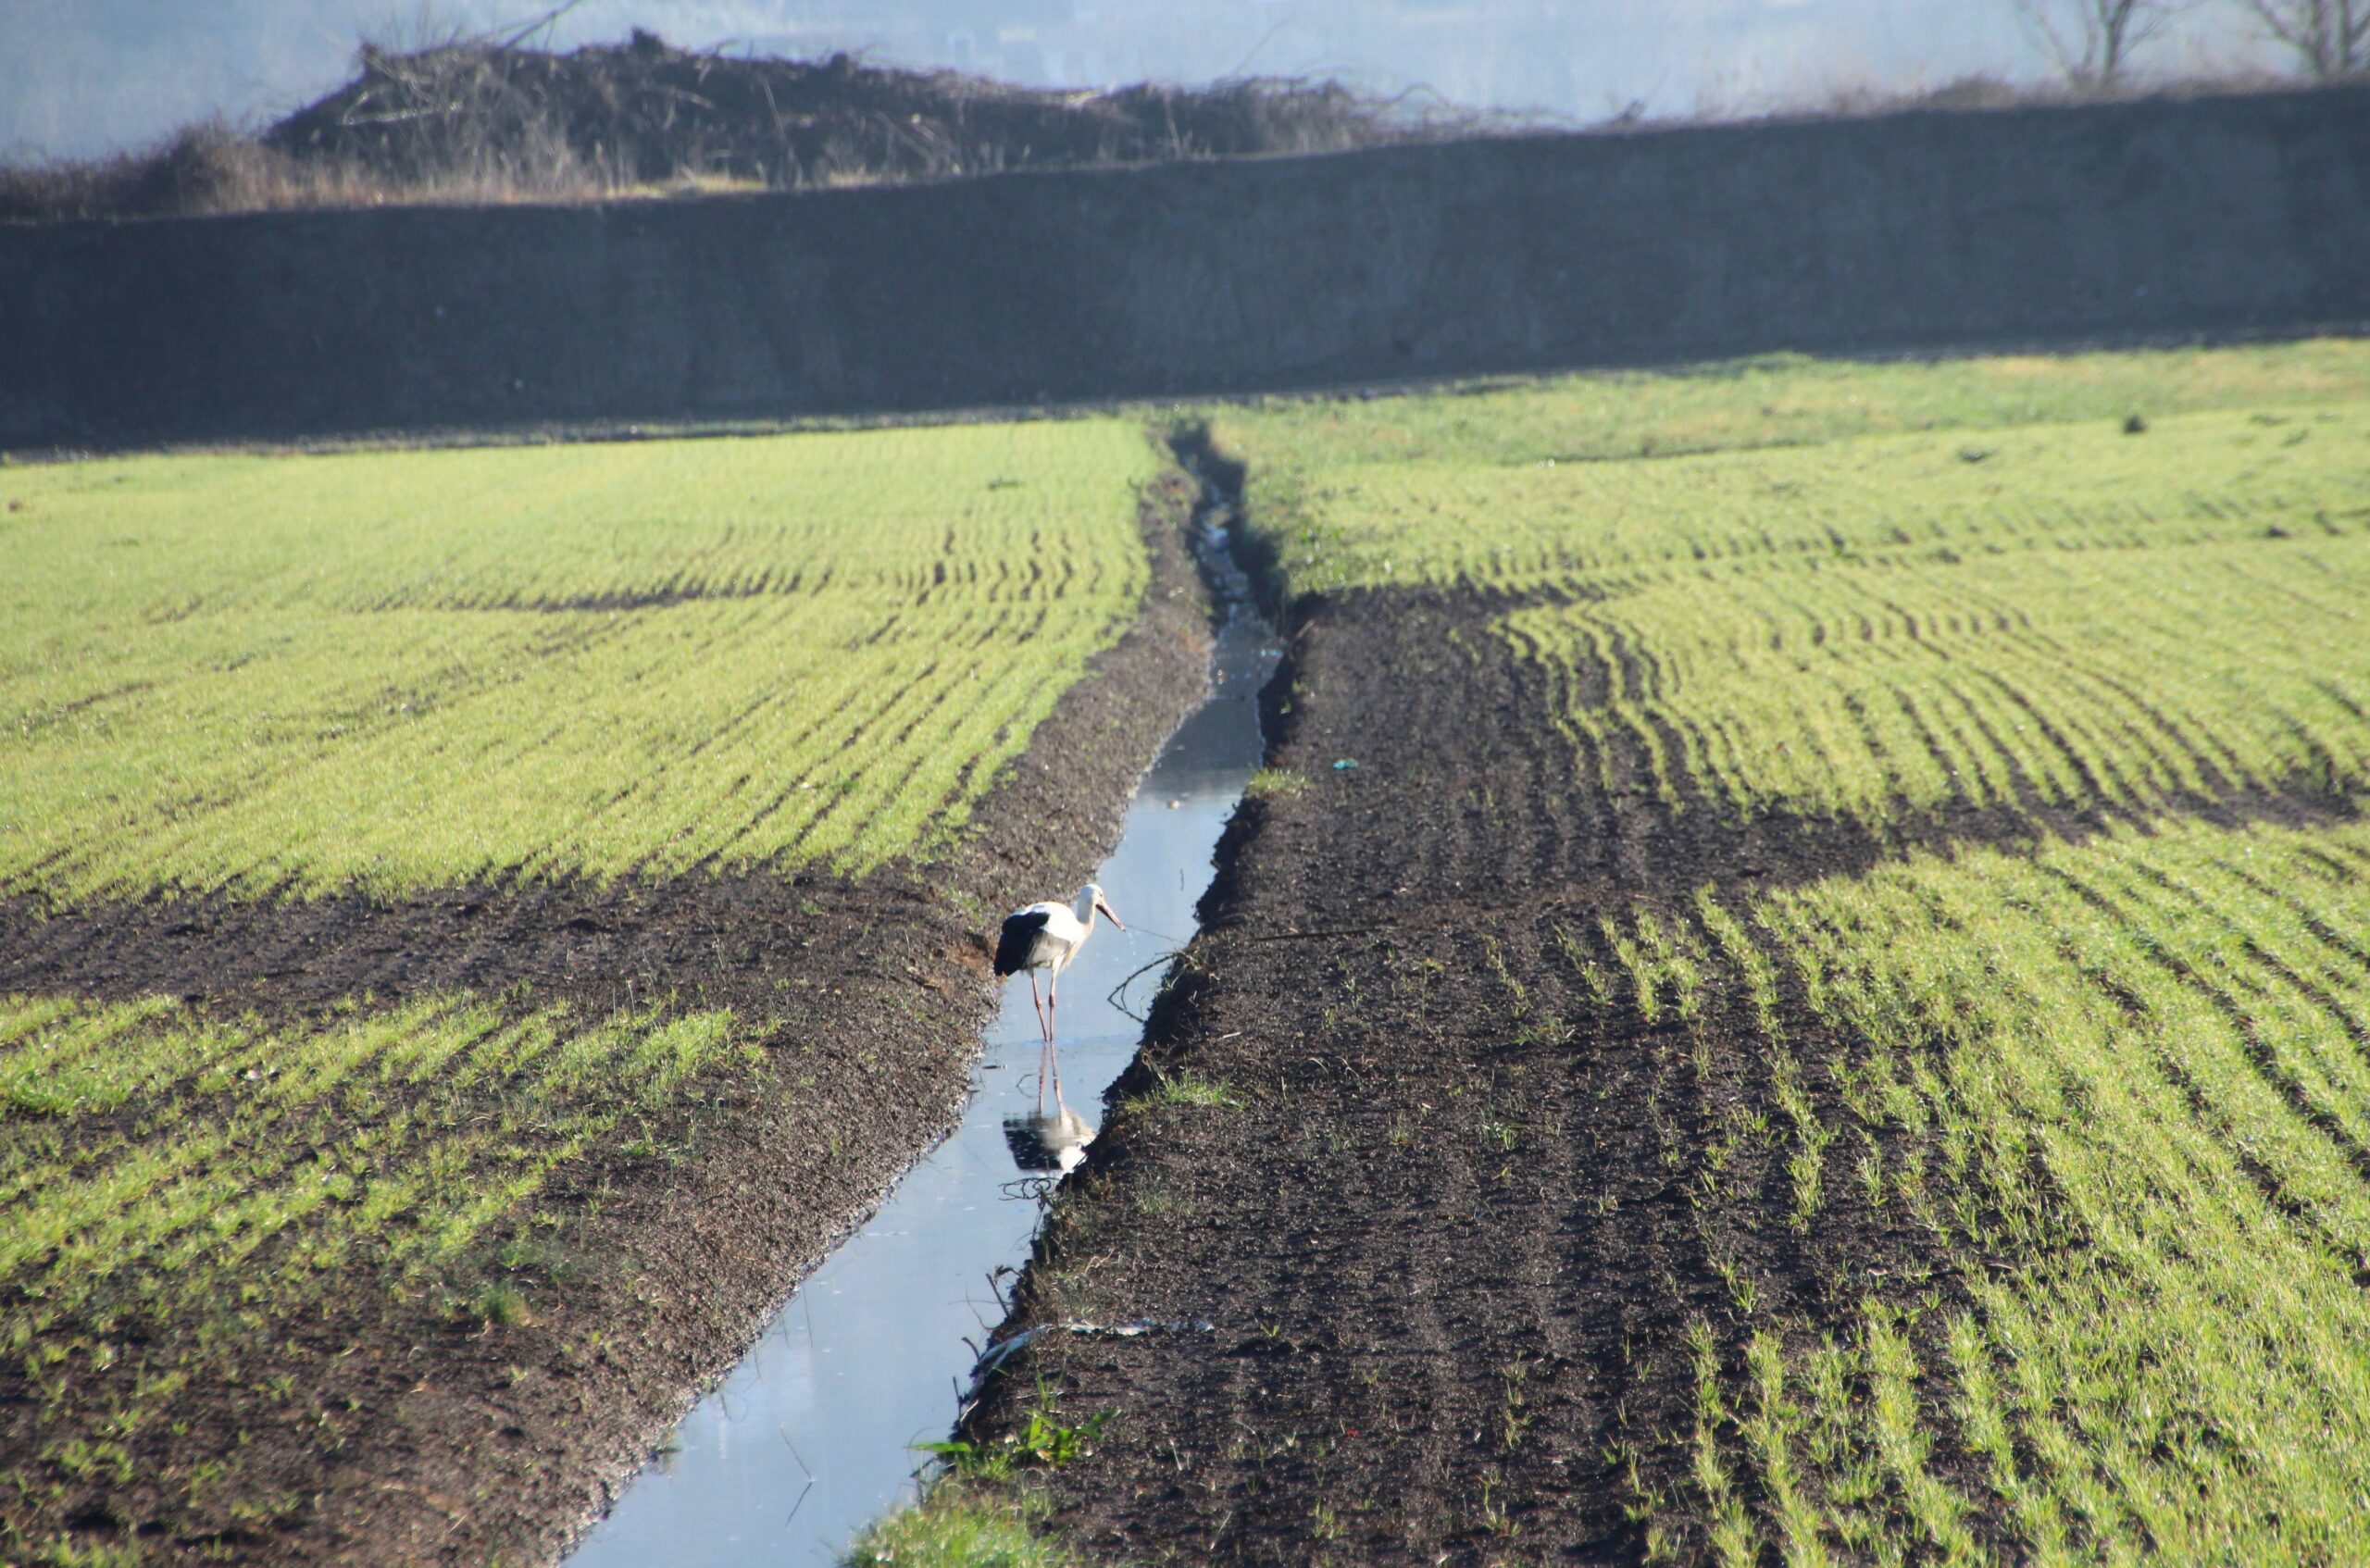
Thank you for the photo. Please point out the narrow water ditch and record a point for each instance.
(810, 1437)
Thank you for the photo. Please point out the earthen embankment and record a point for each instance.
(2227, 215)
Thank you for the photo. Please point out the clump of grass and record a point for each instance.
(205, 167)
(500, 1305)
(83, 1551)
(961, 1524)
(1186, 1087)
(1270, 782)
(980, 1510)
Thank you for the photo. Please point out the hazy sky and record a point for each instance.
(79, 77)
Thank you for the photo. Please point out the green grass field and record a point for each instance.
(2120, 1086)
(403, 670)
(153, 1153)
(273, 676)
(184, 1197)
(2131, 1074)
(2124, 1087)
(1874, 625)
(1302, 449)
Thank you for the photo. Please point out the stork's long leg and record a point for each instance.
(1052, 1046)
(1044, 1039)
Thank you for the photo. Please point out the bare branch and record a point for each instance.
(2332, 37)
(2093, 40)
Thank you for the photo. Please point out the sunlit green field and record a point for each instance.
(1994, 613)
(400, 670)
(281, 676)
(2120, 1085)
(2123, 1087)
(182, 1195)
(153, 1153)
(1302, 452)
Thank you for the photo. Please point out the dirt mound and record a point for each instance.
(488, 119)
(643, 112)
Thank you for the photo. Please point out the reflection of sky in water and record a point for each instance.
(809, 1438)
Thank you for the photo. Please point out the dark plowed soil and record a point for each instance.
(1451, 1229)
(416, 1438)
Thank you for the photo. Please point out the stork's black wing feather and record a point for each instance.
(1019, 935)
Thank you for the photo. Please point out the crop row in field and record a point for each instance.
(1615, 528)
(399, 670)
(2053, 677)
(1889, 624)
(2124, 1087)
(2078, 1136)
(1302, 448)
(172, 1183)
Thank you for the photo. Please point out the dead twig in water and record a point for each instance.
(1130, 978)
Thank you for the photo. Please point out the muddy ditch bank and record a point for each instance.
(1918, 231)
(1432, 1213)
(413, 1436)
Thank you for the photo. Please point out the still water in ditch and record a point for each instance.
(809, 1438)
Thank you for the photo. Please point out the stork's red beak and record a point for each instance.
(1108, 914)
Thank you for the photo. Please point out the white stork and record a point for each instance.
(1047, 936)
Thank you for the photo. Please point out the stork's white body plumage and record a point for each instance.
(1059, 934)
(1047, 936)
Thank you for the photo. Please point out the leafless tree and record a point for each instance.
(2092, 41)
(2331, 36)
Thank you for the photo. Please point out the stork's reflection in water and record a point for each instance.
(1052, 1140)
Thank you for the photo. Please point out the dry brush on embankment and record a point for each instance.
(480, 925)
(1583, 1133)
